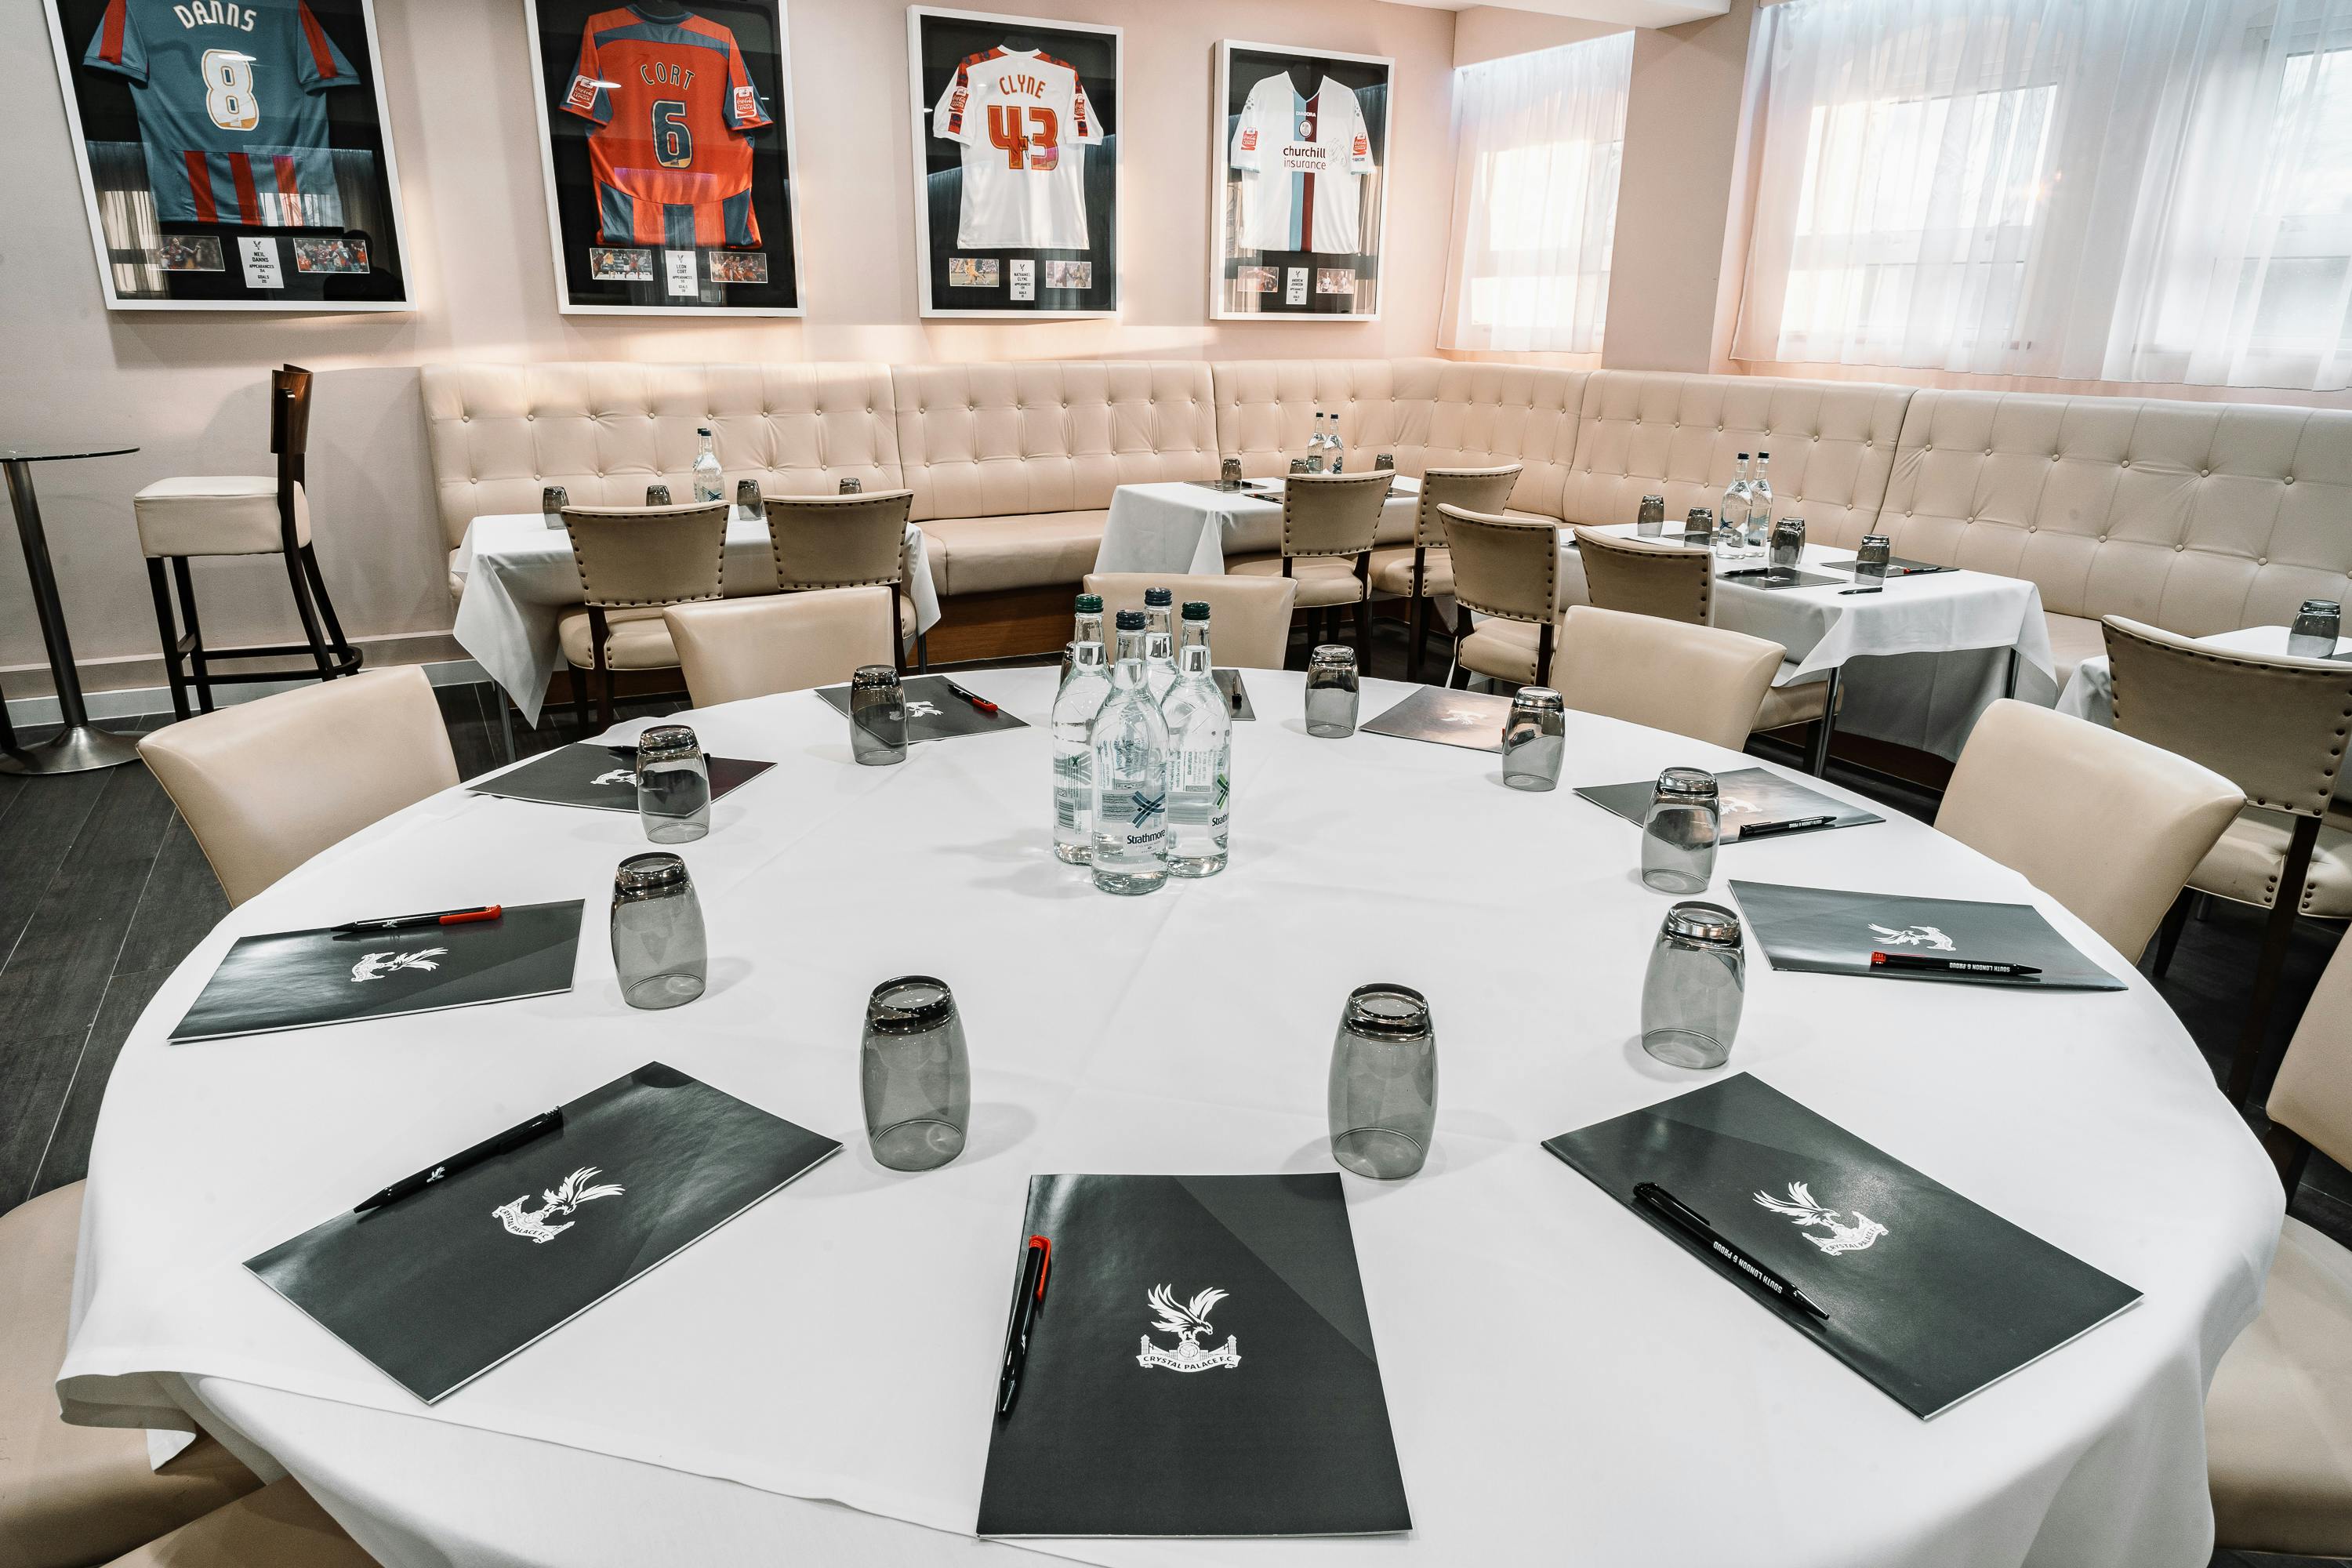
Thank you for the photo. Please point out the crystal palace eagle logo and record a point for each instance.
(1913, 936)
(376, 965)
(1799, 1206)
(563, 1199)
(1188, 1323)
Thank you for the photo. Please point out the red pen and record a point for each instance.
(974, 698)
(437, 917)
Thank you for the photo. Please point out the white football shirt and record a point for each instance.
(1024, 124)
(1301, 160)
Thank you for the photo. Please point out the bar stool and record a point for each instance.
(238, 514)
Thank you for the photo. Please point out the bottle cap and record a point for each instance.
(1090, 604)
(1196, 610)
(702, 430)
(1157, 598)
(1130, 620)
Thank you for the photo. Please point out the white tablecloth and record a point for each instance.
(1919, 660)
(520, 578)
(1565, 1386)
(1181, 527)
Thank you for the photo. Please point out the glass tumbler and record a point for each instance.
(748, 506)
(657, 495)
(552, 500)
(1699, 528)
(1331, 692)
(672, 785)
(1679, 832)
(1383, 1099)
(914, 1073)
(1651, 521)
(1697, 981)
(1787, 544)
(1298, 465)
(1871, 560)
(1230, 472)
(2315, 631)
(853, 487)
(1535, 739)
(878, 716)
(1385, 463)
(659, 950)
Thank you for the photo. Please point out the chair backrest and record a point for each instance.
(648, 554)
(2276, 726)
(1333, 514)
(1700, 682)
(1644, 577)
(2108, 825)
(289, 411)
(1503, 566)
(267, 784)
(2313, 1095)
(736, 648)
(1249, 618)
(1484, 491)
(839, 541)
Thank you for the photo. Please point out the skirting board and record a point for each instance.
(136, 702)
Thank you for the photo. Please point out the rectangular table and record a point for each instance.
(1178, 526)
(520, 578)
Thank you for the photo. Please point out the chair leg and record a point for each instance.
(1543, 653)
(2251, 1064)
(2168, 935)
(1461, 632)
(1364, 633)
(335, 639)
(898, 647)
(187, 588)
(1416, 617)
(169, 630)
(309, 615)
(579, 697)
(922, 652)
(604, 690)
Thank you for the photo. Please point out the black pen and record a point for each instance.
(512, 1138)
(1027, 1299)
(1932, 964)
(1842, 592)
(1790, 824)
(1692, 1224)
(434, 918)
(974, 698)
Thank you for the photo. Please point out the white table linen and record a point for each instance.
(520, 578)
(1565, 1385)
(1178, 526)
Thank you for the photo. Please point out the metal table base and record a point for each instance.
(79, 747)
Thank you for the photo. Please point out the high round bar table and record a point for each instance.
(812, 1382)
(79, 746)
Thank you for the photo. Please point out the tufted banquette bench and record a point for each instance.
(2198, 518)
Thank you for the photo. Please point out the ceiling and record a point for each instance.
(1616, 13)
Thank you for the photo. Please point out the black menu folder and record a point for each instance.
(1473, 720)
(1746, 795)
(1774, 577)
(933, 712)
(438, 1288)
(1828, 930)
(1927, 1295)
(603, 777)
(1202, 1366)
(1897, 566)
(300, 979)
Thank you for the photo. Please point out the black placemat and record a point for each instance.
(1830, 931)
(934, 712)
(1772, 578)
(1746, 795)
(602, 778)
(1471, 719)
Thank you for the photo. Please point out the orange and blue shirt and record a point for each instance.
(674, 109)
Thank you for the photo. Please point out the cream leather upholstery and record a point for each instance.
(216, 514)
(280, 1526)
(2313, 1094)
(2047, 795)
(498, 433)
(736, 648)
(635, 639)
(267, 784)
(839, 540)
(77, 1495)
(1700, 682)
(650, 555)
(1321, 582)
(1249, 618)
(1027, 550)
(1486, 491)
(2073, 639)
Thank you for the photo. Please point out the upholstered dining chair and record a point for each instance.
(1507, 569)
(1329, 523)
(734, 649)
(2108, 825)
(240, 514)
(1420, 573)
(1700, 682)
(269, 783)
(71, 1496)
(1653, 577)
(2276, 727)
(1249, 618)
(635, 562)
(854, 541)
(2278, 1448)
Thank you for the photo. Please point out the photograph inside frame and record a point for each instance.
(235, 151)
(1017, 165)
(669, 153)
(1302, 155)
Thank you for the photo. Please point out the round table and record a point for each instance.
(1565, 1386)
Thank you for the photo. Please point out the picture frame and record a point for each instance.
(206, 185)
(1304, 244)
(616, 241)
(1036, 235)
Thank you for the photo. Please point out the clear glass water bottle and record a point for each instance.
(710, 483)
(660, 953)
(1199, 767)
(1337, 446)
(1759, 502)
(672, 785)
(1695, 988)
(1731, 515)
(1680, 831)
(1158, 642)
(1074, 769)
(1086, 627)
(1314, 447)
(1194, 631)
(1130, 743)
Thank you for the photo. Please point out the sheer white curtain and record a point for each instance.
(1535, 209)
(2094, 189)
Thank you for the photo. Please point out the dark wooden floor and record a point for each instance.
(103, 891)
